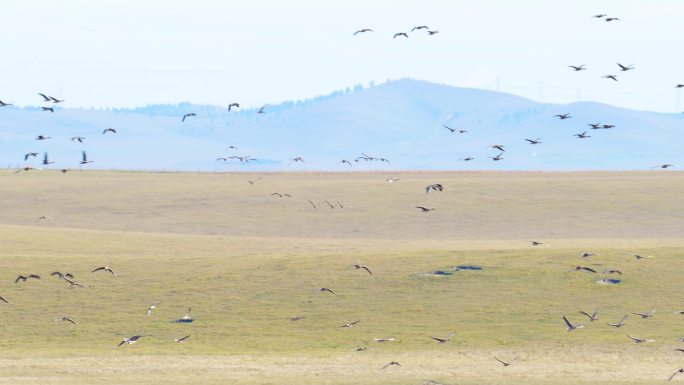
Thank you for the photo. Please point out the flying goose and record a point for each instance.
(24, 278)
(676, 373)
(3, 104)
(646, 315)
(536, 243)
(588, 254)
(391, 180)
(262, 109)
(45, 97)
(297, 159)
(612, 271)
(589, 269)
(443, 340)
(62, 275)
(44, 218)
(639, 256)
(328, 290)
(189, 114)
(420, 27)
(614, 77)
(231, 148)
(621, 323)
(79, 139)
(571, 327)
(27, 155)
(84, 158)
(425, 209)
(129, 340)
(282, 195)
(535, 141)
(625, 68)
(578, 68)
(502, 362)
(43, 137)
(329, 204)
(594, 126)
(3, 299)
(404, 34)
(582, 135)
(498, 147)
(180, 340)
(677, 86)
(313, 204)
(46, 161)
(224, 159)
(67, 319)
(496, 158)
(72, 283)
(150, 308)
(391, 363)
(563, 116)
(467, 159)
(105, 268)
(599, 16)
(364, 267)
(296, 318)
(430, 33)
(231, 105)
(112, 130)
(609, 19)
(639, 340)
(593, 316)
(55, 100)
(52, 110)
(435, 187)
(385, 339)
(187, 316)
(363, 30)
(343, 161)
(350, 324)
(664, 166)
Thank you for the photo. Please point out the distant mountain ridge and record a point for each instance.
(399, 120)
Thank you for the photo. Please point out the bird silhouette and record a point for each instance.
(391, 363)
(646, 315)
(43, 137)
(46, 161)
(613, 77)
(625, 68)
(679, 371)
(67, 319)
(105, 268)
(364, 267)
(363, 30)
(112, 130)
(534, 141)
(570, 325)
(231, 105)
(619, 324)
(328, 290)
(593, 316)
(189, 114)
(578, 68)
(498, 147)
(84, 158)
(434, 187)
(52, 110)
(563, 116)
(29, 154)
(404, 34)
(443, 340)
(582, 135)
(419, 27)
(79, 139)
(3, 104)
(182, 339)
(24, 278)
(424, 209)
(350, 324)
(130, 340)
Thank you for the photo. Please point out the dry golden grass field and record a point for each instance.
(247, 261)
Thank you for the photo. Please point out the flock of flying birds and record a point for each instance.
(437, 187)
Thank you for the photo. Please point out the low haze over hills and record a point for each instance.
(400, 120)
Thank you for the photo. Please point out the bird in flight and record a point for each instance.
(112, 130)
(150, 308)
(536, 243)
(621, 323)
(579, 68)
(677, 86)
(664, 166)
(3, 104)
(180, 340)
(79, 139)
(646, 315)
(43, 137)
(105, 268)
(430, 33)
(297, 159)
(609, 19)
(44, 218)
(46, 161)
(600, 15)
(364, 267)
(614, 77)
(48, 109)
(624, 68)
(391, 180)
(467, 159)
(404, 34)
(570, 325)
(62, 275)
(424, 209)
(262, 110)
(639, 340)
(343, 161)
(67, 319)
(434, 187)
(27, 155)
(576, 268)
(24, 278)
(3, 299)
(534, 141)
(563, 116)
(594, 126)
(55, 100)
(231, 148)
(363, 30)
(588, 254)
(231, 105)
(129, 340)
(45, 97)
(498, 147)
(73, 283)
(444, 339)
(593, 316)
(328, 290)
(676, 373)
(84, 158)
(496, 158)
(392, 363)
(350, 324)
(419, 27)
(189, 114)
(639, 256)
(502, 362)
(582, 135)
(612, 271)
(282, 195)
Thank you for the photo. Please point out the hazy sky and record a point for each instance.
(130, 53)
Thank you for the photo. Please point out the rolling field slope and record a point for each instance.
(246, 262)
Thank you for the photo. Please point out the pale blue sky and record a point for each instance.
(127, 53)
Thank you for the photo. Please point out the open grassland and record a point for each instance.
(246, 262)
